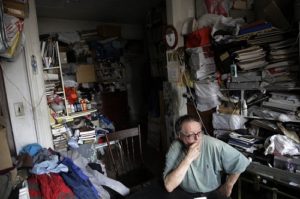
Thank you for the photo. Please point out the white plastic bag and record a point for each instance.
(283, 145)
(228, 121)
(207, 95)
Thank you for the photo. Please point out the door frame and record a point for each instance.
(5, 117)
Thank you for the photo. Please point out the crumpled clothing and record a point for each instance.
(78, 181)
(51, 186)
(31, 149)
(49, 166)
(34, 187)
(96, 177)
(218, 22)
(283, 145)
(43, 155)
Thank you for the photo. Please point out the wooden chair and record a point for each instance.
(127, 156)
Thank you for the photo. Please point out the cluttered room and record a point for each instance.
(149, 99)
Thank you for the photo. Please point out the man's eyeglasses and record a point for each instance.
(190, 135)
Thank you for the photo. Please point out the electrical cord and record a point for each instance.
(194, 104)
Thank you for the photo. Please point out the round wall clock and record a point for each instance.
(170, 37)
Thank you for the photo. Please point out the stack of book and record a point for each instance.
(60, 138)
(266, 37)
(283, 101)
(244, 142)
(283, 67)
(273, 56)
(202, 62)
(87, 135)
(50, 87)
(283, 50)
(251, 58)
(255, 27)
(280, 72)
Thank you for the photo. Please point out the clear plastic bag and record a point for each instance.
(228, 121)
(207, 95)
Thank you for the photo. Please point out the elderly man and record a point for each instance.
(195, 162)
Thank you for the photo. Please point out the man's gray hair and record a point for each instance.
(183, 119)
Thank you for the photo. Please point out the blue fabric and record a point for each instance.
(78, 181)
(49, 166)
(31, 149)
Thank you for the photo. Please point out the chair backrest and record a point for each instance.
(126, 150)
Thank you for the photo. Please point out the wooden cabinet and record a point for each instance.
(115, 107)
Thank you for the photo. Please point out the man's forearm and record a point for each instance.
(174, 178)
(232, 178)
(226, 188)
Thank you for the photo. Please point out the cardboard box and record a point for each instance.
(107, 31)
(5, 158)
(86, 73)
(16, 9)
(240, 4)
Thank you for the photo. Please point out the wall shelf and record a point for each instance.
(82, 113)
(51, 68)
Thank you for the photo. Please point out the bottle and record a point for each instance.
(68, 107)
(93, 102)
(72, 108)
(75, 107)
(88, 105)
(244, 108)
(78, 107)
(83, 104)
(233, 70)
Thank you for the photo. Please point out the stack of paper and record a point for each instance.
(50, 88)
(284, 67)
(60, 138)
(284, 71)
(245, 142)
(251, 58)
(87, 135)
(202, 62)
(284, 101)
(284, 50)
(273, 35)
(255, 27)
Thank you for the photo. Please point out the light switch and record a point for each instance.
(19, 109)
